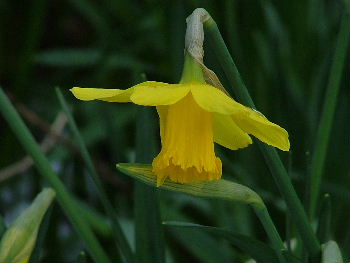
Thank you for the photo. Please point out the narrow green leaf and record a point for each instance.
(331, 253)
(290, 258)
(324, 222)
(200, 244)
(325, 125)
(118, 234)
(221, 189)
(98, 222)
(254, 248)
(148, 229)
(63, 196)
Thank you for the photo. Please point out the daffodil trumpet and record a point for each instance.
(192, 116)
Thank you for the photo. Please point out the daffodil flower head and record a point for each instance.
(193, 115)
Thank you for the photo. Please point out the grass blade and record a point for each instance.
(118, 234)
(325, 125)
(148, 228)
(254, 248)
(63, 196)
(324, 223)
(202, 245)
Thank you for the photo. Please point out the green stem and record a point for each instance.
(325, 125)
(148, 227)
(271, 230)
(117, 232)
(192, 71)
(63, 196)
(271, 157)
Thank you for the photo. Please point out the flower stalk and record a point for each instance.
(272, 159)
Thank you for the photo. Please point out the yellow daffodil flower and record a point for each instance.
(193, 115)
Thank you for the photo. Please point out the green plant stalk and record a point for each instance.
(325, 125)
(63, 196)
(324, 222)
(270, 229)
(271, 157)
(148, 228)
(117, 232)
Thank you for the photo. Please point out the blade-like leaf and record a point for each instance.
(148, 228)
(221, 189)
(324, 223)
(256, 249)
(290, 257)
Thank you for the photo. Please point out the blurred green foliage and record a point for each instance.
(283, 49)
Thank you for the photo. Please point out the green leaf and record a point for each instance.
(148, 228)
(201, 245)
(291, 258)
(221, 189)
(331, 253)
(256, 249)
(324, 222)
(326, 121)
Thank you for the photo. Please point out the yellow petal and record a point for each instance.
(109, 95)
(152, 93)
(162, 113)
(253, 122)
(228, 134)
(212, 99)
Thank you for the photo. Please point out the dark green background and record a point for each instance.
(283, 50)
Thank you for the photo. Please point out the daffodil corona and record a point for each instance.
(193, 115)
